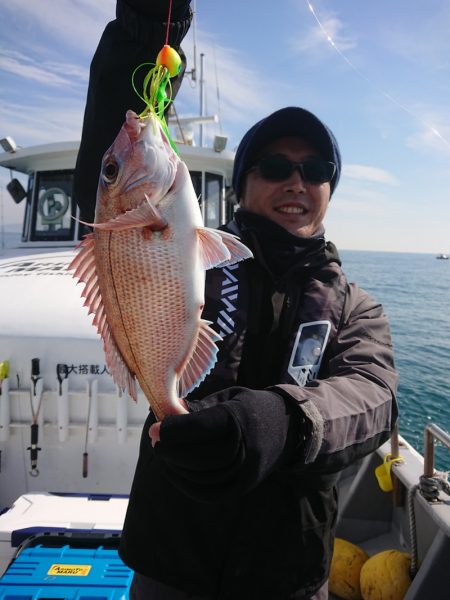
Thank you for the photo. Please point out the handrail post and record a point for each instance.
(395, 451)
(397, 489)
(432, 432)
(428, 453)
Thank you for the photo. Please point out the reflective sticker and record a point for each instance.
(307, 353)
(70, 570)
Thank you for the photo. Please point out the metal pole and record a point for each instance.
(432, 431)
(2, 223)
(394, 442)
(202, 86)
(428, 453)
(397, 488)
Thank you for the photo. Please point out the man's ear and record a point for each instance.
(241, 199)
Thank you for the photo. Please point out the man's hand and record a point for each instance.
(231, 446)
(153, 432)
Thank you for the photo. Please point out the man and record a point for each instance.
(237, 499)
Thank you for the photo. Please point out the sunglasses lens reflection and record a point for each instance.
(313, 171)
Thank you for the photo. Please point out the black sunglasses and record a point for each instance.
(313, 171)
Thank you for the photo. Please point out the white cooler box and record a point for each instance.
(36, 513)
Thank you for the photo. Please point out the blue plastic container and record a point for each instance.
(68, 572)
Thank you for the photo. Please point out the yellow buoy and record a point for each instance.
(346, 565)
(385, 576)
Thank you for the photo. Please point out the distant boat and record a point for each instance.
(442, 256)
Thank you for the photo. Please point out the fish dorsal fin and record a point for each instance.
(145, 215)
(219, 248)
(85, 270)
(201, 361)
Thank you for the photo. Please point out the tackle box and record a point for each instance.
(35, 513)
(67, 567)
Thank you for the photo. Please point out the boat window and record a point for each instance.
(196, 177)
(213, 200)
(213, 216)
(54, 207)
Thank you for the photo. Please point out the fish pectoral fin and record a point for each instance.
(219, 248)
(85, 270)
(201, 361)
(145, 215)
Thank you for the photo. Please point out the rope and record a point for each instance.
(413, 531)
(429, 488)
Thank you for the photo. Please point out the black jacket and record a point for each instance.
(255, 519)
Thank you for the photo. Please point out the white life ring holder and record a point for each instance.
(50, 193)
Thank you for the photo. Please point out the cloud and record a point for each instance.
(47, 120)
(46, 73)
(401, 40)
(352, 200)
(433, 135)
(238, 95)
(75, 24)
(326, 31)
(368, 174)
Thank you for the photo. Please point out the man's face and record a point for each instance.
(295, 205)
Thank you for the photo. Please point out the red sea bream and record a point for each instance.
(143, 268)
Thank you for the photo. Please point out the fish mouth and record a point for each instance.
(135, 183)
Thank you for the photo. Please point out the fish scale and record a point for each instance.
(156, 267)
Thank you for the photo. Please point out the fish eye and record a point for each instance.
(110, 171)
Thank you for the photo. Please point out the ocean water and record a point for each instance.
(415, 292)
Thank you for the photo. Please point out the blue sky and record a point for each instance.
(378, 73)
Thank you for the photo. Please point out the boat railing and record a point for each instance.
(433, 432)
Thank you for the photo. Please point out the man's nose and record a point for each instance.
(295, 182)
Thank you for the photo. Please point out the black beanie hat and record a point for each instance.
(290, 121)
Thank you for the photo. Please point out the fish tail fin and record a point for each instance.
(219, 248)
(201, 361)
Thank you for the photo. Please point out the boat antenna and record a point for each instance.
(193, 71)
(217, 90)
(202, 97)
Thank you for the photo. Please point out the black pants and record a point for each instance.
(144, 588)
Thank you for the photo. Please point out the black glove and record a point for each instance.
(227, 449)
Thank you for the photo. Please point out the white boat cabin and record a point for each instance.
(50, 204)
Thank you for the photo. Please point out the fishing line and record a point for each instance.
(168, 23)
(371, 83)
